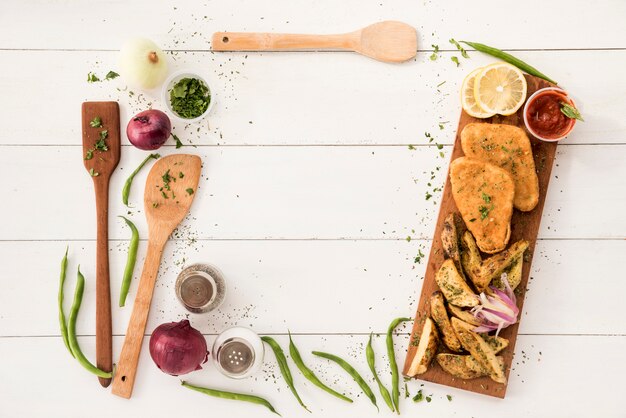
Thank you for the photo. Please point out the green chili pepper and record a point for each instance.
(371, 362)
(78, 298)
(129, 181)
(395, 377)
(308, 373)
(231, 395)
(62, 320)
(130, 261)
(505, 56)
(352, 372)
(284, 367)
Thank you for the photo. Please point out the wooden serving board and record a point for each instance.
(524, 225)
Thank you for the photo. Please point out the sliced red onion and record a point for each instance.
(498, 310)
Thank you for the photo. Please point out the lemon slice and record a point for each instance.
(500, 88)
(467, 97)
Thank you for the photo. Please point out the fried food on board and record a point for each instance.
(479, 349)
(439, 314)
(507, 147)
(450, 239)
(484, 195)
(426, 349)
(465, 316)
(456, 365)
(454, 287)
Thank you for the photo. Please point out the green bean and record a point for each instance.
(505, 56)
(78, 298)
(352, 372)
(130, 261)
(129, 181)
(62, 320)
(284, 367)
(395, 377)
(231, 395)
(371, 362)
(308, 373)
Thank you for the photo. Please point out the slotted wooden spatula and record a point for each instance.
(388, 41)
(101, 153)
(170, 189)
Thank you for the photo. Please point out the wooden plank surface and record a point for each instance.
(524, 226)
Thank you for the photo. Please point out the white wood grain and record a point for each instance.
(551, 377)
(308, 286)
(301, 192)
(298, 98)
(189, 25)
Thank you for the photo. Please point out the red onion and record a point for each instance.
(498, 310)
(177, 348)
(148, 130)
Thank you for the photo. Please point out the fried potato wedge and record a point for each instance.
(472, 261)
(494, 266)
(463, 315)
(513, 272)
(457, 365)
(426, 349)
(507, 147)
(484, 195)
(497, 344)
(475, 367)
(439, 314)
(479, 349)
(454, 287)
(450, 239)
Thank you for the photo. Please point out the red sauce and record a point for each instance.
(544, 115)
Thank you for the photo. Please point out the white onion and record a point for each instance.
(142, 63)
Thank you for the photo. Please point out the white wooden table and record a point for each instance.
(309, 192)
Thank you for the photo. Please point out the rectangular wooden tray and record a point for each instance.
(524, 225)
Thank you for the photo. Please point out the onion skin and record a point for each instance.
(148, 130)
(178, 348)
(142, 63)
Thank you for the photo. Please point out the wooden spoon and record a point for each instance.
(167, 200)
(388, 41)
(100, 161)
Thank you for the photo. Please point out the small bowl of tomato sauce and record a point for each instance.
(543, 116)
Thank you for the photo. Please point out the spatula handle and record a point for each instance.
(126, 369)
(243, 41)
(104, 353)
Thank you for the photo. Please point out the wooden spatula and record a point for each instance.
(101, 153)
(388, 41)
(170, 189)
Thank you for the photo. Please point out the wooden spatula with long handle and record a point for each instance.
(170, 189)
(101, 153)
(388, 41)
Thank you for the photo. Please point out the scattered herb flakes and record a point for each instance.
(165, 196)
(441, 154)
(429, 398)
(181, 174)
(429, 137)
(434, 56)
(441, 84)
(428, 195)
(419, 256)
(411, 147)
(92, 78)
(89, 154)
(408, 238)
(439, 146)
(111, 75)
(473, 220)
(449, 397)
(189, 98)
(419, 397)
(484, 212)
(441, 126)
(459, 47)
(455, 60)
(189, 191)
(96, 122)
(571, 112)
(177, 139)
(93, 173)
(486, 197)
(406, 391)
(167, 178)
(104, 134)
(155, 205)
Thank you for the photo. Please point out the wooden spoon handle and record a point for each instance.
(104, 350)
(242, 41)
(126, 369)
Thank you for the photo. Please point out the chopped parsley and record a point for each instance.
(428, 195)
(189, 191)
(434, 56)
(96, 122)
(165, 196)
(411, 147)
(455, 60)
(484, 212)
(408, 238)
(486, 198)
(428, 399)
(181, 174)
(439, 146)
(167, 178)
(89, 155)
(419, 397)
(459, 47)
(155, 205)
(429, 137)
(111, 75)
(449, 397)
(190, 98)
(93, 173)
(177, 139)
(92, 78)
(419, 256)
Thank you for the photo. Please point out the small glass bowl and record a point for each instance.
(235, 345)
(541, 92)
(200, 288)
(169, 84)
